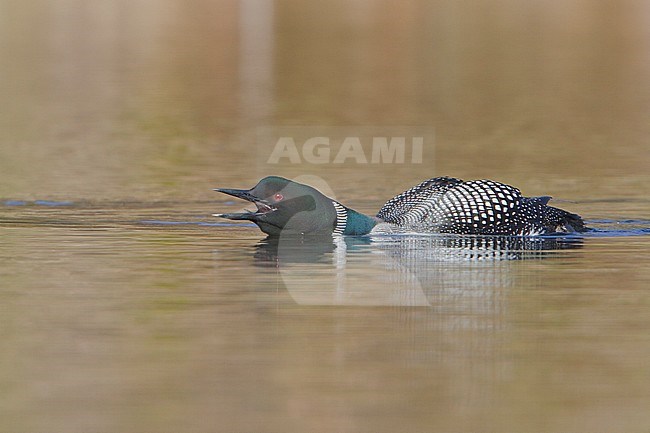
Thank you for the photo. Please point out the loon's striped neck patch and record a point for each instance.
(341, 218)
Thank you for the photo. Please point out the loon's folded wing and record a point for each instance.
(417, 202)
(453, 206)
(480, 207)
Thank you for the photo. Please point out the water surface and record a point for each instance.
(125, 306)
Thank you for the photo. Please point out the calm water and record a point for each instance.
(125, 306)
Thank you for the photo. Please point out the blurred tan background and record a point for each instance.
(125, 307)
(150, 99)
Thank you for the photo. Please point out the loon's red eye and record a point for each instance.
(278, 197)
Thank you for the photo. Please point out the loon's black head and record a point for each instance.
(287, 206)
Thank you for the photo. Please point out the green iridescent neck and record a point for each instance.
(358, 223)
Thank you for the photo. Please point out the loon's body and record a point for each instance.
(438, 205)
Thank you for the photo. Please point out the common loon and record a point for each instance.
(438, 205)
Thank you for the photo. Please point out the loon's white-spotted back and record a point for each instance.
(438, 205)
(485, 207)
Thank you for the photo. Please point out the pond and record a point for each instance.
(126, 306)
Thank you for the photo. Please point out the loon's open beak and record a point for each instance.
(263, 207)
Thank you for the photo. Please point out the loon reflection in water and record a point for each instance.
(441, 248)
(455, 273)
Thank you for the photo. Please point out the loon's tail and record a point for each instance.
(572, 222)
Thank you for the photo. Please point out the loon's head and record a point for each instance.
(287, 206)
